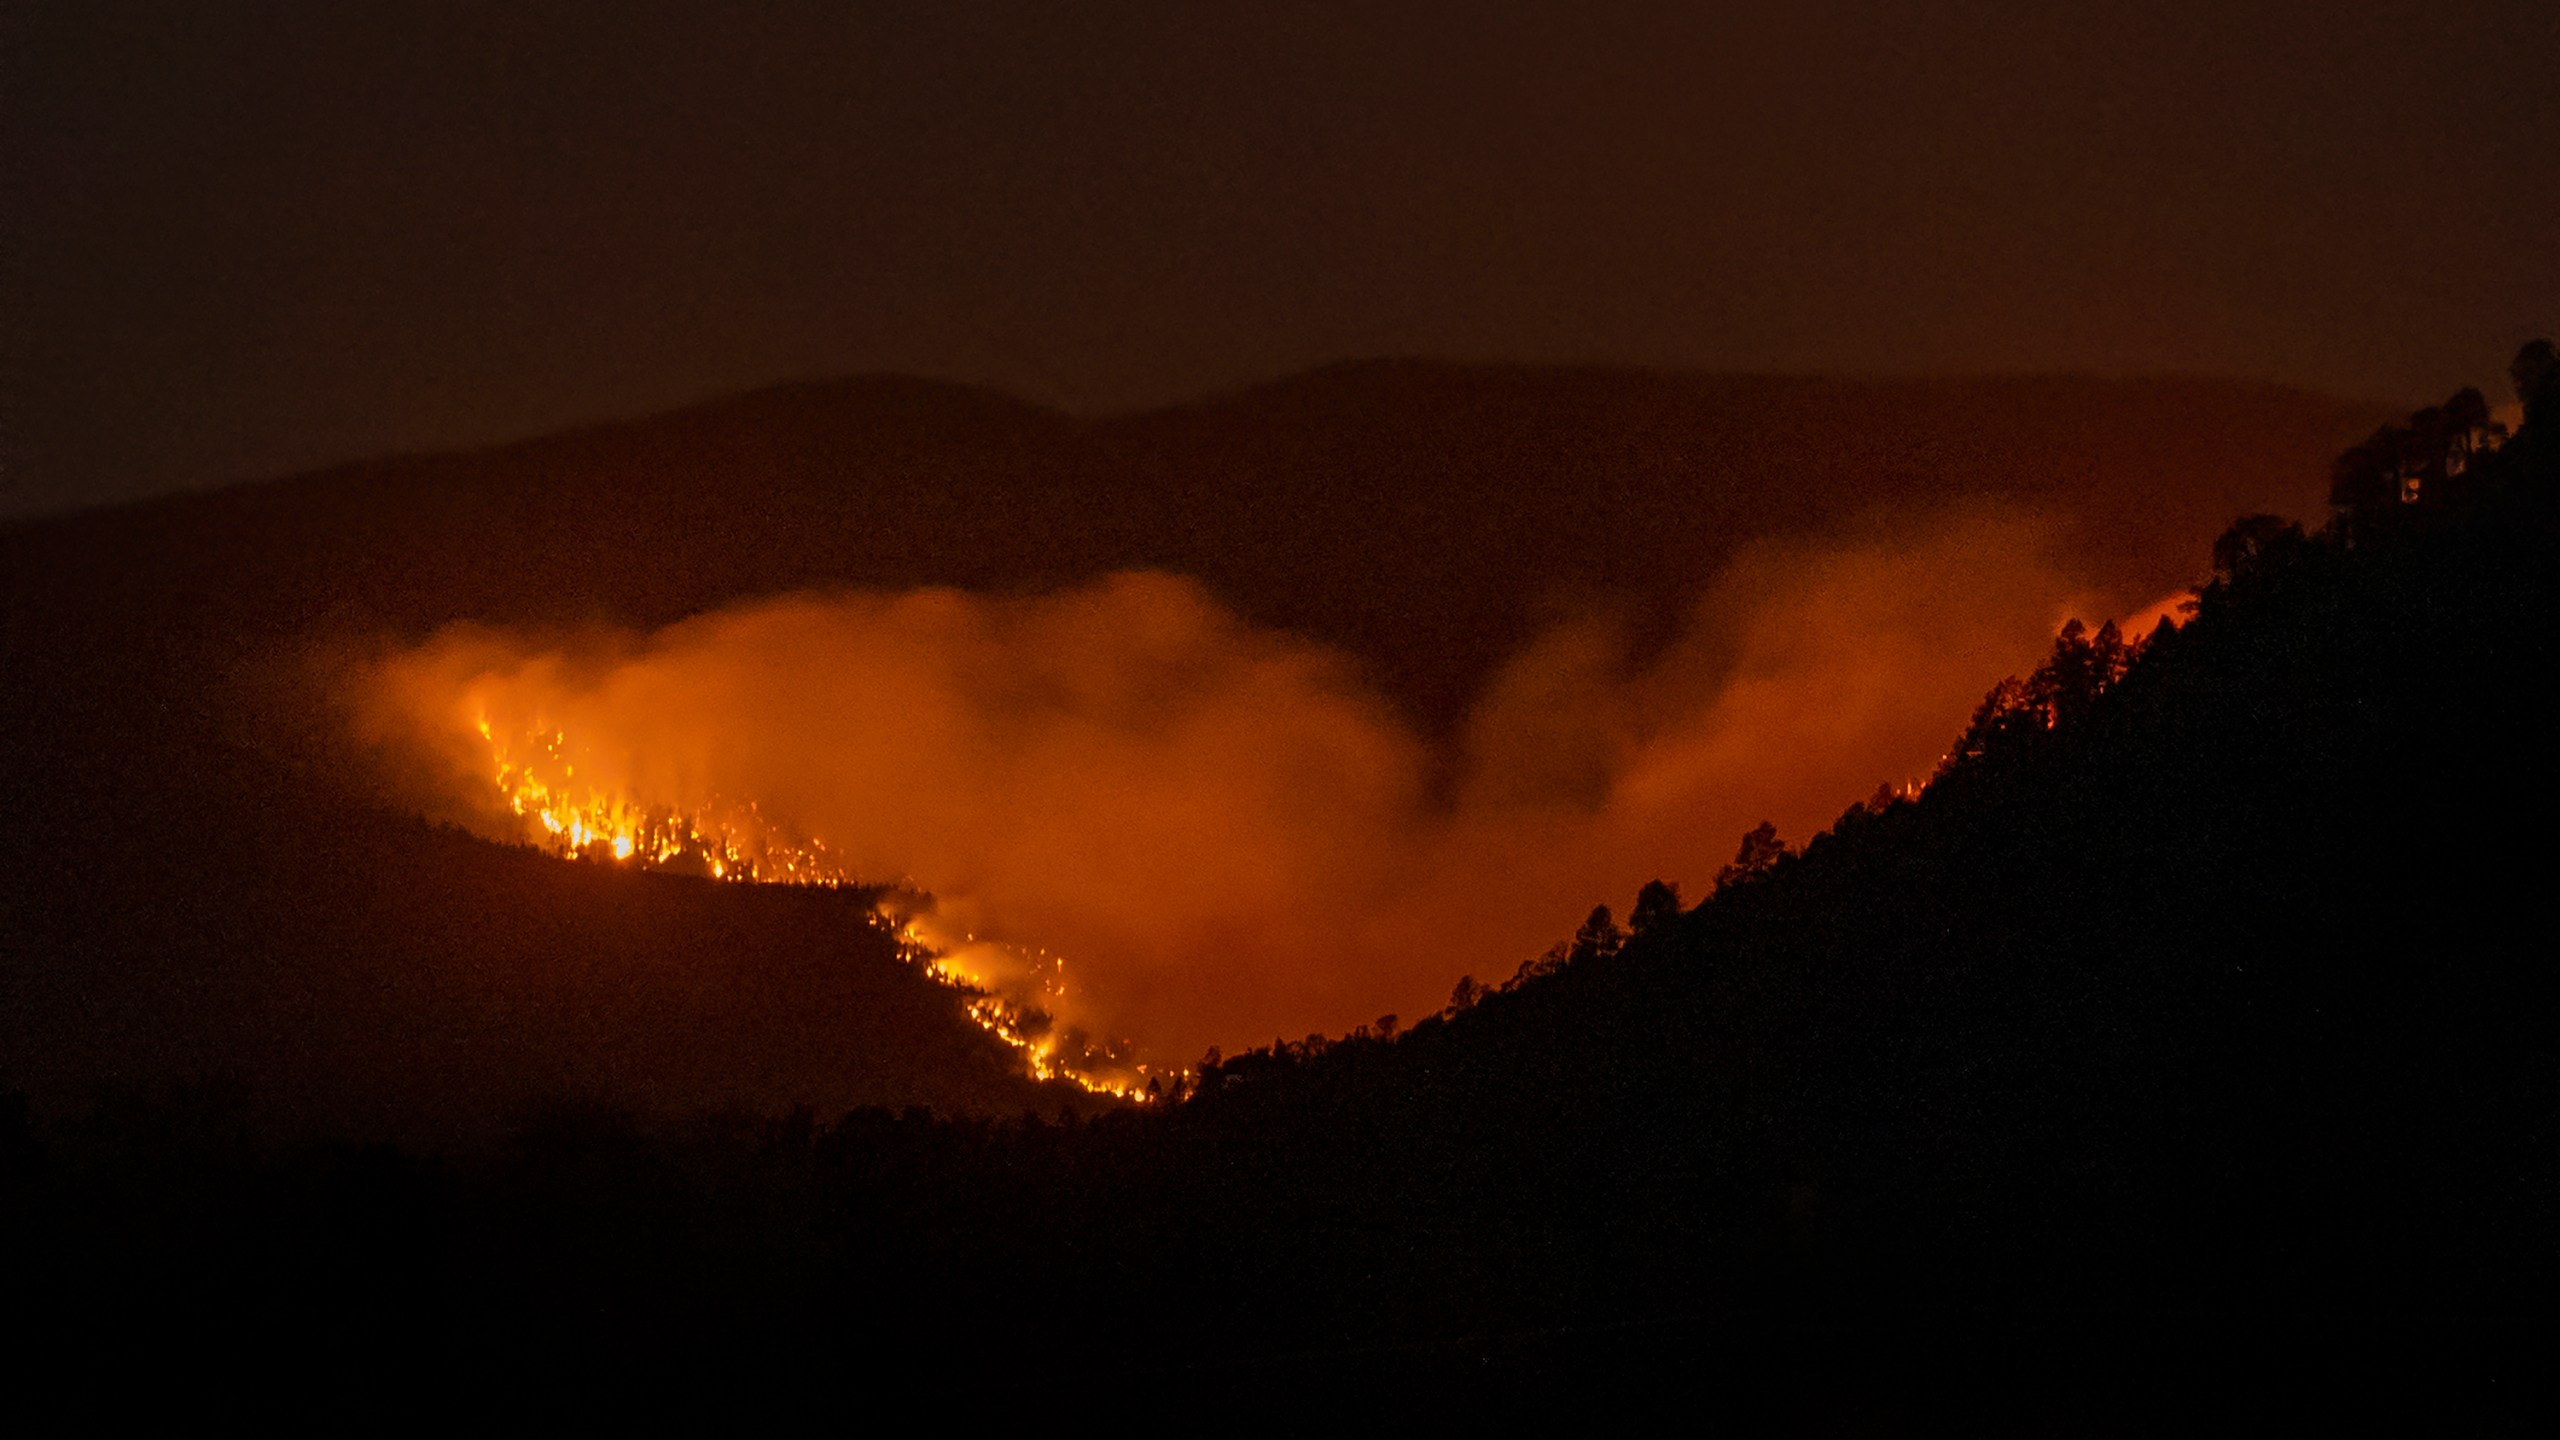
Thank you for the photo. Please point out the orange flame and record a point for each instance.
(536, 779)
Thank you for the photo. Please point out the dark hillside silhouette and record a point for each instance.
(189, 869)
(2190, 1031)
(2204, 989)
(347, 972)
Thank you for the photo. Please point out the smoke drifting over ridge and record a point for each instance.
(1231, 832)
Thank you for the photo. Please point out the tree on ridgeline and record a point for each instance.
(1468, 994)
(1761, 853)
(1997, 723)
(2427, 451)
(1547, 962)
(1599, 937)
(2467, 415)
(2536, 373)
(2442, 456)
(2364, 482)
(2256, 545)
(2470, 436)
(1657, 909)
(2059, 692)
(2081, 668)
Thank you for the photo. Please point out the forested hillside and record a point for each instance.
(2191, 1028)
(209, 878)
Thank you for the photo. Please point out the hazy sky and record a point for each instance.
(248, 238)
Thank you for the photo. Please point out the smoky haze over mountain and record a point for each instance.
(704, 698)
(247, 240)
(1407, 666)
(1228, 833)
(2191, 1022)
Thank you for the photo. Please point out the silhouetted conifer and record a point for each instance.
(1760, 854)
(1657, 908)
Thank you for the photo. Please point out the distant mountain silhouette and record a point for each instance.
(196, 889)
(2187, 1036)
(1426, 516)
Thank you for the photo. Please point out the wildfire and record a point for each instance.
(536, 779)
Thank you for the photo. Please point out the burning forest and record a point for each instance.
(838, 705)
(1007, 991)
(1231, 830)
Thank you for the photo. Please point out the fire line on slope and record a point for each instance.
(536, 779)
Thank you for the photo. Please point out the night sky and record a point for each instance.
(250, 238)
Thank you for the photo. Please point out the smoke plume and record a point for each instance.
(1232, 834)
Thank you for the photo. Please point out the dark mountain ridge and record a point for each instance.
(2208, 1030)
(1400, 509)
(182, 801)
(2190, 1033)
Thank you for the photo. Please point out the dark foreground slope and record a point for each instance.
(316, 966)
(194, 888)
(2199, 1044)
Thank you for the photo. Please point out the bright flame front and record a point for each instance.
(536, 778)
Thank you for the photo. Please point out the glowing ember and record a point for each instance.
(536, 780)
